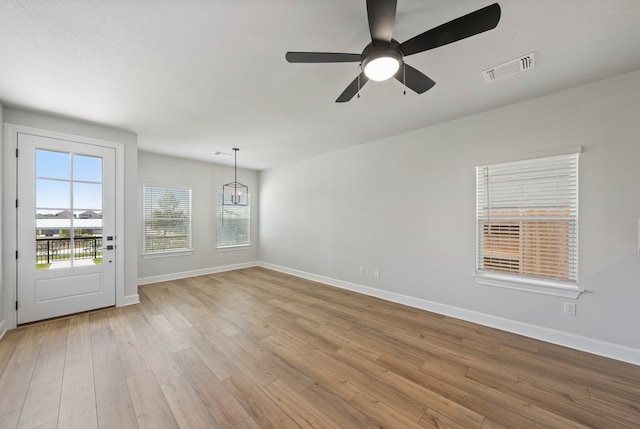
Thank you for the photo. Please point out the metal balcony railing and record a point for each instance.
(49, 250)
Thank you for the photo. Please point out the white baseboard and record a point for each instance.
(577, 342)
(3, 328)
(194, 273)
(131, 299)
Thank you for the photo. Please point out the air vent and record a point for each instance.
(509, 68)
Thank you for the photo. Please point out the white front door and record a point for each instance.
(66, 227)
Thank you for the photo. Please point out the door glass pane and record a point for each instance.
(87, 235)
(53, 194)
(87, 196)
(87, 168)
(87, 249)
(53, 165)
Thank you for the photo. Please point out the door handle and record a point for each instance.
(109, 247)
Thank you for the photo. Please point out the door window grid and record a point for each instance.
(68, 209)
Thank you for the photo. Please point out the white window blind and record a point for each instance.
(234, 223)
(167, 219)
(527, 218)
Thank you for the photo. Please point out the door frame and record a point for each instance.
(9, 226)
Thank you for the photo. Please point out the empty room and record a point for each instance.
(320, 214)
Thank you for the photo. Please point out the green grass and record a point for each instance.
(97, 261)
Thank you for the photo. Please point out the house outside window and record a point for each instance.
(167, 220)
(527, 224)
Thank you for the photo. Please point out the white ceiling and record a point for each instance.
(192, 77)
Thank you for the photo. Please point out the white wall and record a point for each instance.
(205, 179)
(405, 205)
(86, 129)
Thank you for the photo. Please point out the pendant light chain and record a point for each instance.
(235, 164)
(234, 197)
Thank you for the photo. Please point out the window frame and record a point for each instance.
(219, 211)
(166, 252)
(521, 281)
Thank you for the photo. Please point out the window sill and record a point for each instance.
(167, 254)
(233, 247)
(546, 287)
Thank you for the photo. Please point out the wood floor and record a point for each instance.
(258, 349)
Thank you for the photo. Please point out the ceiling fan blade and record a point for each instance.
(460, 28)
(382, 17)
(321, 57)
(353, 88)
(414, 79)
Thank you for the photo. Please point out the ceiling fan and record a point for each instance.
(384, 56)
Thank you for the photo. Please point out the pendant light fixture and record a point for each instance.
(235, 193)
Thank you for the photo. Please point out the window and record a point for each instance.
(167, 219)
(527, 223)
(233, 223)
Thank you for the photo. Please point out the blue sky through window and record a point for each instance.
(53, 184)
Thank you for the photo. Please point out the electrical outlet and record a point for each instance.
(361, 271)
(570, 308)
(376, 273)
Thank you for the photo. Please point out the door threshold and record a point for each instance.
(66, 316)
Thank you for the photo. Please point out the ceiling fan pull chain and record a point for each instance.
(359, 80)
(404, 77)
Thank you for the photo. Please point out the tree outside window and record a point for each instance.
(167, 219)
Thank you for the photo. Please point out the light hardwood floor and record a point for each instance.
(259, 349)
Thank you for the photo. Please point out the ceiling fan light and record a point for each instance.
(381, 68)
